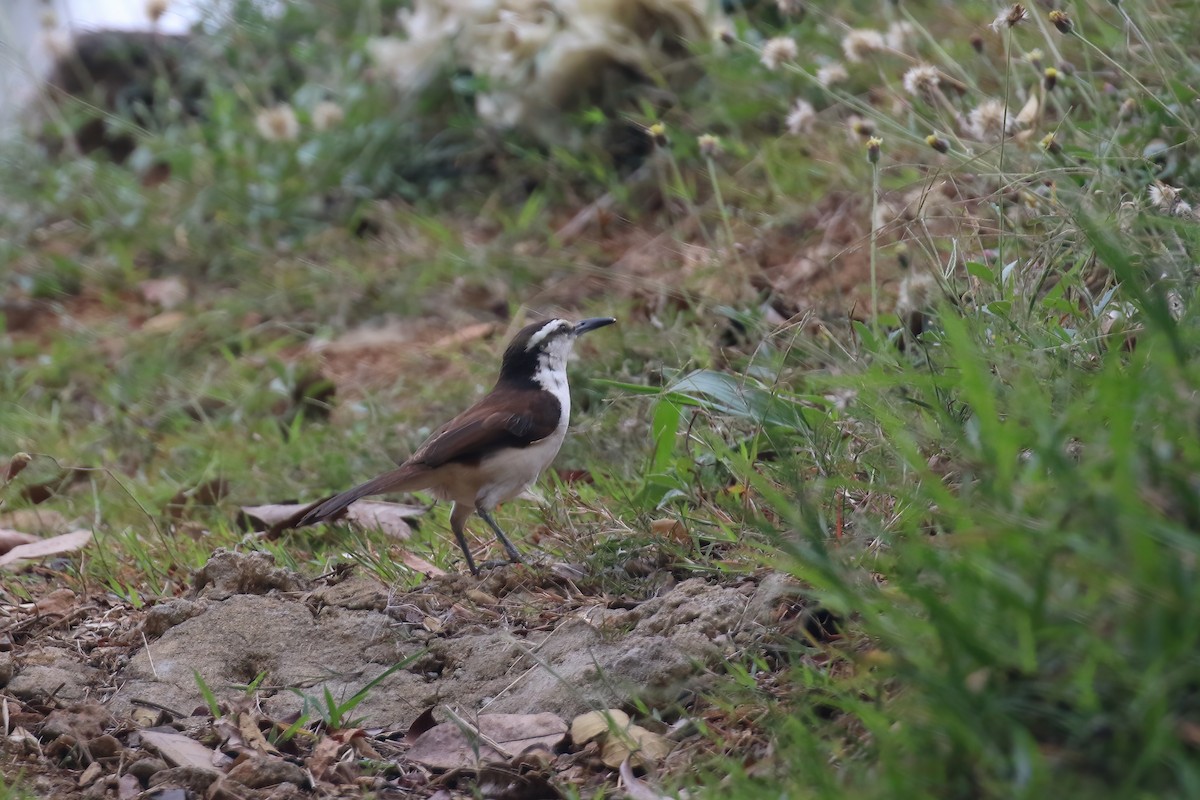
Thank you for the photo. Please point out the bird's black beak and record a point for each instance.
(591, 324)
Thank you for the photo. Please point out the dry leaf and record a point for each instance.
(10, 539)
(15, 464)
(167, 293)
(425, 722)
(387, 517)
(418, 564)
(164, 322)
(323, 757)
(449, 746)
(671, 529)
(43, 548)
(595, 724)
(41, 521)
(638, 789)
(645, 748)
(471, 333)
(1028, 113)
(252, 736)
(180, 751)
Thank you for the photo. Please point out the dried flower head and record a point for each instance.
(326, 115)
(790, 8)
(989, 120)
(977, 43)
(710, 146)
(874, 145)
(278, 123)
(937, 143)
(830, 74)
(1163, 196)
(1183, 209)
(1035, 57)
(860, 43)
(1010, 18)
(155, 9)
(1060, 20)
(723, 32)
(918, 292)
(1050, 78)
(898, 34)
(15, 464)
(1051, 145)
(862, 128)
(779, 51)
(801, 118)
(658, 133)
(921, 80)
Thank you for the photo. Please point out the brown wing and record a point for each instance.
(489, 425)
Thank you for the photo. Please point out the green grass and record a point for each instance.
(1002, 507)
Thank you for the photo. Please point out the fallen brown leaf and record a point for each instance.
(43, 548)
(636, 788)
(180, 751)
(10, 539)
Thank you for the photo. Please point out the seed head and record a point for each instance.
(989, 120)
(937, 143)
(277, 124)
(921, 80)
(1051, 145)
(790, 8)
(1163, 196)
(801, 118)
(658, 133)
(710, 146)
(155, 10)
(874, 144)
(863, 128)
(1035, 57)
(1011, 18)
(779, 51)
(977, 43)
(860, 43)
(830, 74)
(326, 115)
(1050, 78)
(898, 34)
(1060, 20)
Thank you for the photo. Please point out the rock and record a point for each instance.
(144, 768)
(167, 615)
(228, 573)
(105, 746)
(54, 672)
(258, 773)
(84, 722)
(191, 779)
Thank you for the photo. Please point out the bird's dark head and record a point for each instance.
(543, 347)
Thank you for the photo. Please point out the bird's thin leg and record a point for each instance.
(513, 553)
(458, 521)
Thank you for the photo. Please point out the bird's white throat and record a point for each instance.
(551, 374)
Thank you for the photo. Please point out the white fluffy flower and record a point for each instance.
(989, 121)
(830, 74)
(860, 43)
(778, 51)
(801, 118)
(277, 124)
(921, 80)
(326, 115)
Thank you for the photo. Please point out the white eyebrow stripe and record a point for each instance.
(542, 333)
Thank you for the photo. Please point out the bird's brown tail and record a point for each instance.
(406, 478)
